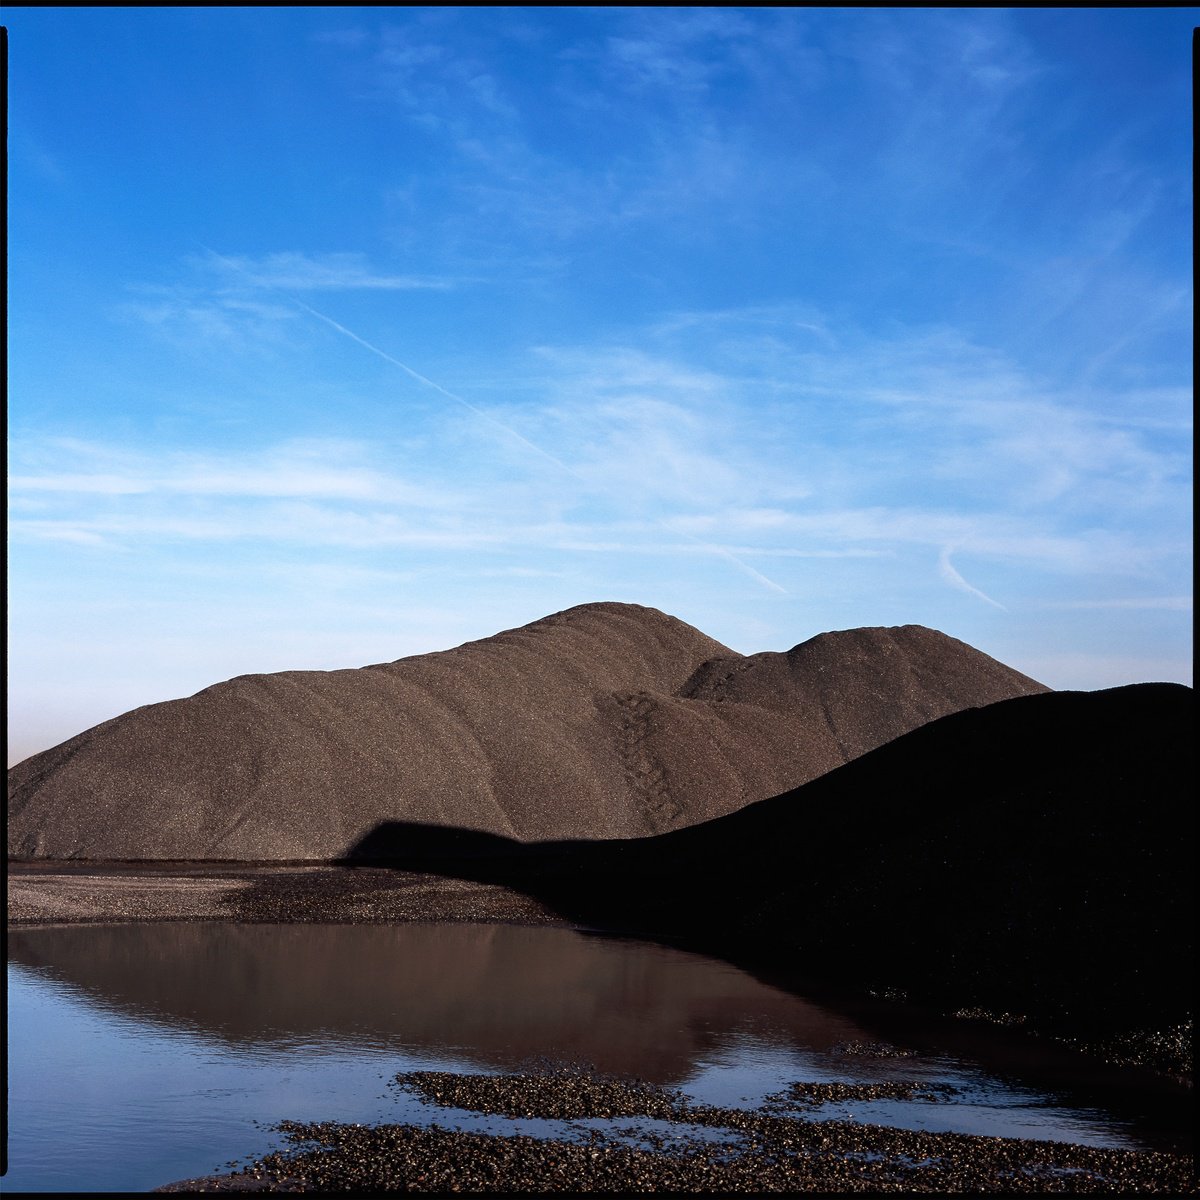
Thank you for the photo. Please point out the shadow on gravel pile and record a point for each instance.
(1032, 856)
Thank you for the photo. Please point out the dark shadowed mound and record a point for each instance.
(1037, 854)
(604, 721)
(1034, 855)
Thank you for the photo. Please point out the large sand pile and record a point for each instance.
(604, 721)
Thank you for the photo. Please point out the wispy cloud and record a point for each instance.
(951, 575)
(646, 142)
(190, 317)
(1122, 603)
(311, 469)
(678, 53)
(994, 434)
(249, 303)
(294, 271)
(730, 434)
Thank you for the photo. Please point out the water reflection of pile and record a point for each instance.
(491, 995)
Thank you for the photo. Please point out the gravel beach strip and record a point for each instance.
(78, 893)
(772, 1154)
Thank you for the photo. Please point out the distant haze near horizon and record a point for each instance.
(340, 335)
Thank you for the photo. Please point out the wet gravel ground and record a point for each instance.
(769, 1152)
(1169, 1051)
(813, 1095)
(562, 1095)
(79, 893)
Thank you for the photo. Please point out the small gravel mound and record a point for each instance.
(871, 1050)
(561, 1095)
(813, 1095)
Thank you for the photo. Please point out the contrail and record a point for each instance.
(484, 415)
(745, 566)
(437, 387)
(421, 379)
(952, 577)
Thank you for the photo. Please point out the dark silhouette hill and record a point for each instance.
(603, 721)
(1035, 855)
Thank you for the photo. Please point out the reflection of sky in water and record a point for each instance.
(749, 1069)
(98, 1101)
(116, 1084)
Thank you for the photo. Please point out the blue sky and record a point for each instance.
(339, 335)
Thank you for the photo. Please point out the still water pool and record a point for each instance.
(143, 1054)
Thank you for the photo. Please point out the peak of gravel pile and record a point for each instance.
(603, 721)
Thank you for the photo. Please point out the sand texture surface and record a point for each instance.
(603, 721)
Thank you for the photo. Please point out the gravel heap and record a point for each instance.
(872, 1050)
(813, 1095)
(603, 721)
(579, 1093)
(558, 1096)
